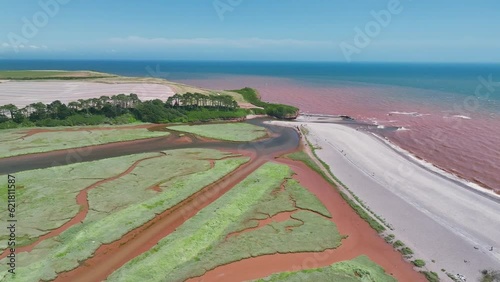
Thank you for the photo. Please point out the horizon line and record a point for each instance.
(257, 61)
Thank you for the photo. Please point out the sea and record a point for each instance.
(447, 115)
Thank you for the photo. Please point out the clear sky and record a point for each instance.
(301, 30)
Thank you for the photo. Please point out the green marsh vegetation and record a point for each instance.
(406, 251)
(400, 246)
(359, 206)
(227, 131)
(13, 144)
(200, 106)
(419, 263)
(359, 269)
(303, 157)
(208, 239)
(403, 249)
(48, 195)
(431, 276)
(104, 225)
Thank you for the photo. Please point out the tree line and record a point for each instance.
(120, 109)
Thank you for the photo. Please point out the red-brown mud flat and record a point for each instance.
(362, 240)
(155, 188)
(82, 201)
(112, 256)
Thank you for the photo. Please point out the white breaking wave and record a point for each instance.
(462, 117)
(403, 113)
(415, 114)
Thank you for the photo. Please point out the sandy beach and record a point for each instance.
(23, 93)
(441, 219)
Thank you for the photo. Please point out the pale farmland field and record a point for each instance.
(23, 93)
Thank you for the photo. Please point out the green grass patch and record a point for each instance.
(202, 231)
(58, 140)
(406, 251)
(398, 244)
(72, 120)
(226, 131)
(418, 263)
(46, 197)
(359, 269)
(367, 217)
(389, 238)
(303, 157)
(490, 275)
(363, 214)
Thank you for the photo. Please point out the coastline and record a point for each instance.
(429, 210)
(428, 207)
(411, 156)
(454, 177)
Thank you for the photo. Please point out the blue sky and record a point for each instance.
(301, 30)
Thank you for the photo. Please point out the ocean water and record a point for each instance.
(448, 114)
